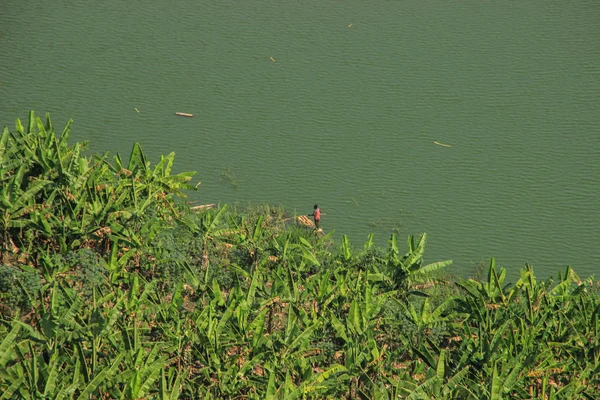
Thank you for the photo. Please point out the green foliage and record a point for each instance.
(16, 288)
(54, 200)
(124, 292)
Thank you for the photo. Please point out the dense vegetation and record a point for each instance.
(112, 287)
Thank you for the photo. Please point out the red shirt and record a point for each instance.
(317, 214)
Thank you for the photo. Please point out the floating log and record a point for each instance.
(442, 144)
(182, 114)
(307, 222)
(202, 207)
(304, 220)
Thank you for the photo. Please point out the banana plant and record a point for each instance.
(360, 330)
(209, 231)
(408, 270)
(17, 205)
(427, 318)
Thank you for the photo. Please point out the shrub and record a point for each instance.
(17, 288)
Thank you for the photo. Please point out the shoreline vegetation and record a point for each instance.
(112, 286)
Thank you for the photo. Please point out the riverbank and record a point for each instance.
(112, 287)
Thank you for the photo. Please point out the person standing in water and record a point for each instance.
(317, 216)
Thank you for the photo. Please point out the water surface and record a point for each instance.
(340, 103)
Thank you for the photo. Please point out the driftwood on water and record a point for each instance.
(305, 221)
(202, 207)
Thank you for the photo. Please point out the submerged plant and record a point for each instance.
(228, 178)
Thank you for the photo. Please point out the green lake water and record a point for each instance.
(340, 103)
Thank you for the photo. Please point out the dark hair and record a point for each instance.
(316, 206)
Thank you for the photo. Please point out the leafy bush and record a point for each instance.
(87, 271)
(17, 286)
